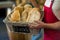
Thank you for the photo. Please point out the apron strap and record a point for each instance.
(52, 4)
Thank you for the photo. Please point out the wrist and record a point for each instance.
(44, 25)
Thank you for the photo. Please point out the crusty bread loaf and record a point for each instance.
(27, 6)
(19, 7)
(25, 14)
(33, 15)
(15, 16)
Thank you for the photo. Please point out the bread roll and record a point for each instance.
(19, 7)
(25, 14)
(15, 16)
(33, 15)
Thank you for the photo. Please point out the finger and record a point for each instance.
(31, 26)
(38, 22)
(34, 25)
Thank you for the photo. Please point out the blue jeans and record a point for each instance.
(38, 36)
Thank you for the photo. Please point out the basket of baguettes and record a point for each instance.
(21, 16)
(24, 14)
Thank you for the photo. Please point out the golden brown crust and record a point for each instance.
(25, 14)
(20, 8)
(33, 15)
(15, 16)
(27, 6)
(28, 15)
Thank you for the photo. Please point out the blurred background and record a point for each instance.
(5, 6)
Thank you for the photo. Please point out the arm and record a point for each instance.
(39, 24)
(52, 25)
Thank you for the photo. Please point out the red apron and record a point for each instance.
(49, 17)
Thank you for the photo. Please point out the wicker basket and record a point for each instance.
(15, 33)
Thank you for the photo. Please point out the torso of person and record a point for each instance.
(49, 17)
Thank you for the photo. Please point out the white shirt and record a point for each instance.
(56, 8)
(48, 3)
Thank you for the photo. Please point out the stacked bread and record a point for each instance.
(25, 14)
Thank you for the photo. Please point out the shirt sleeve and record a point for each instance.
(56, 9)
